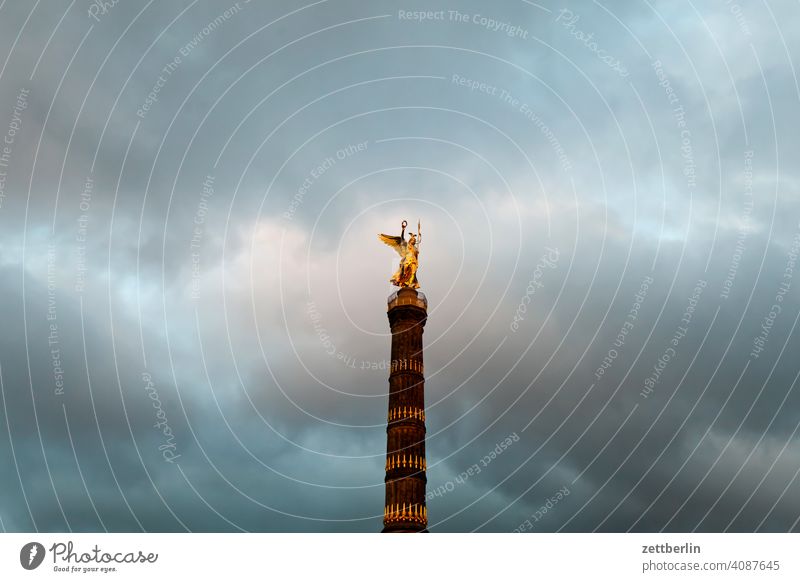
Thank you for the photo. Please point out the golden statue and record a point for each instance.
(406, 274)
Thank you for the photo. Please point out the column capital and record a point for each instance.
(407, 296)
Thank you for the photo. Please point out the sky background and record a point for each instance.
(197, 340)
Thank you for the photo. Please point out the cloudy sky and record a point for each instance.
(194, 332)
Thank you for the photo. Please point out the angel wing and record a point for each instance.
(396, 242)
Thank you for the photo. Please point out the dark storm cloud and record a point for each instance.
(245, 184)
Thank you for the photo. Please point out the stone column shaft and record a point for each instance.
(405, 509)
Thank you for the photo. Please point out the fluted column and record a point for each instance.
(404, 508)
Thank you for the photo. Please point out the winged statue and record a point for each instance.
(406, 274)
